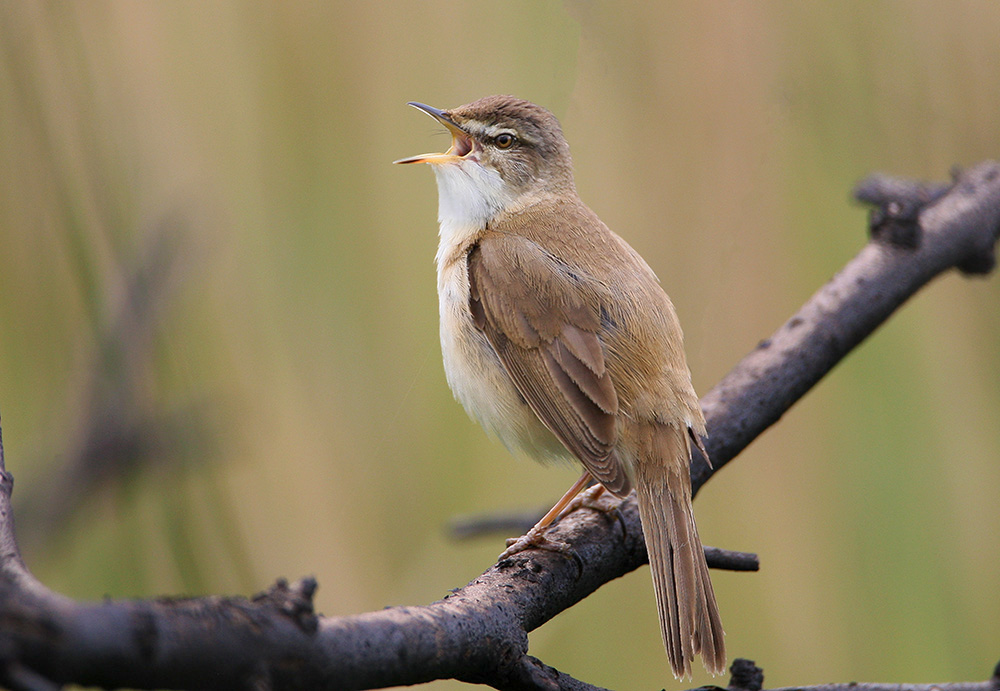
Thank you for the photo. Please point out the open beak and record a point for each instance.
(461, 143)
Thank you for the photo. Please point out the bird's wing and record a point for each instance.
(532, 308)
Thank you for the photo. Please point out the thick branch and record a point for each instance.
(479, 633)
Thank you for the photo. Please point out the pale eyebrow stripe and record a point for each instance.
(497, 130)
(493, 130)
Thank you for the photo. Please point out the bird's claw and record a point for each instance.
(598, 499)
(535, 539)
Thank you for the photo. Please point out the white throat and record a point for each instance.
(469, 195)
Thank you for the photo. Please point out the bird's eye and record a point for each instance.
(504, 140)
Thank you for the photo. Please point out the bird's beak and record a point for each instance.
(461, 143)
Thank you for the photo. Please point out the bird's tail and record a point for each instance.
(689, 615)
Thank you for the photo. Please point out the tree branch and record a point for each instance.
(749, 677)
(479, 633)
(952, 227)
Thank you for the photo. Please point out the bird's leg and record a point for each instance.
(534, 537)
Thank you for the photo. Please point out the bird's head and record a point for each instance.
(502, 150)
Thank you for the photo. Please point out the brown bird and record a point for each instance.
(558, 338)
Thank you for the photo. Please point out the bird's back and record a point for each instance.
(638, 324)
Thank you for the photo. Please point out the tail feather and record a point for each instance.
(689, 615)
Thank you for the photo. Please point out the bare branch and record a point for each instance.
(479, 633)
(957, 686)
(957, 229)
(749, 677)
(12, 567)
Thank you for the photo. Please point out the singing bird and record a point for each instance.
(558, 339)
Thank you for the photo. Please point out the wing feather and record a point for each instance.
(546, 333)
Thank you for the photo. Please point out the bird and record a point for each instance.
(559, 340)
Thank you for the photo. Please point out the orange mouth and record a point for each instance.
(461, 143)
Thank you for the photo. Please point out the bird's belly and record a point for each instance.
(478, 379)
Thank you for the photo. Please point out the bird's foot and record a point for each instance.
(535, 539)
(594, 497)
(599, 499)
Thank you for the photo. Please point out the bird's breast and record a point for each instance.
(474, 371)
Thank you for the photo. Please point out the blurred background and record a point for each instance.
(218, 322)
